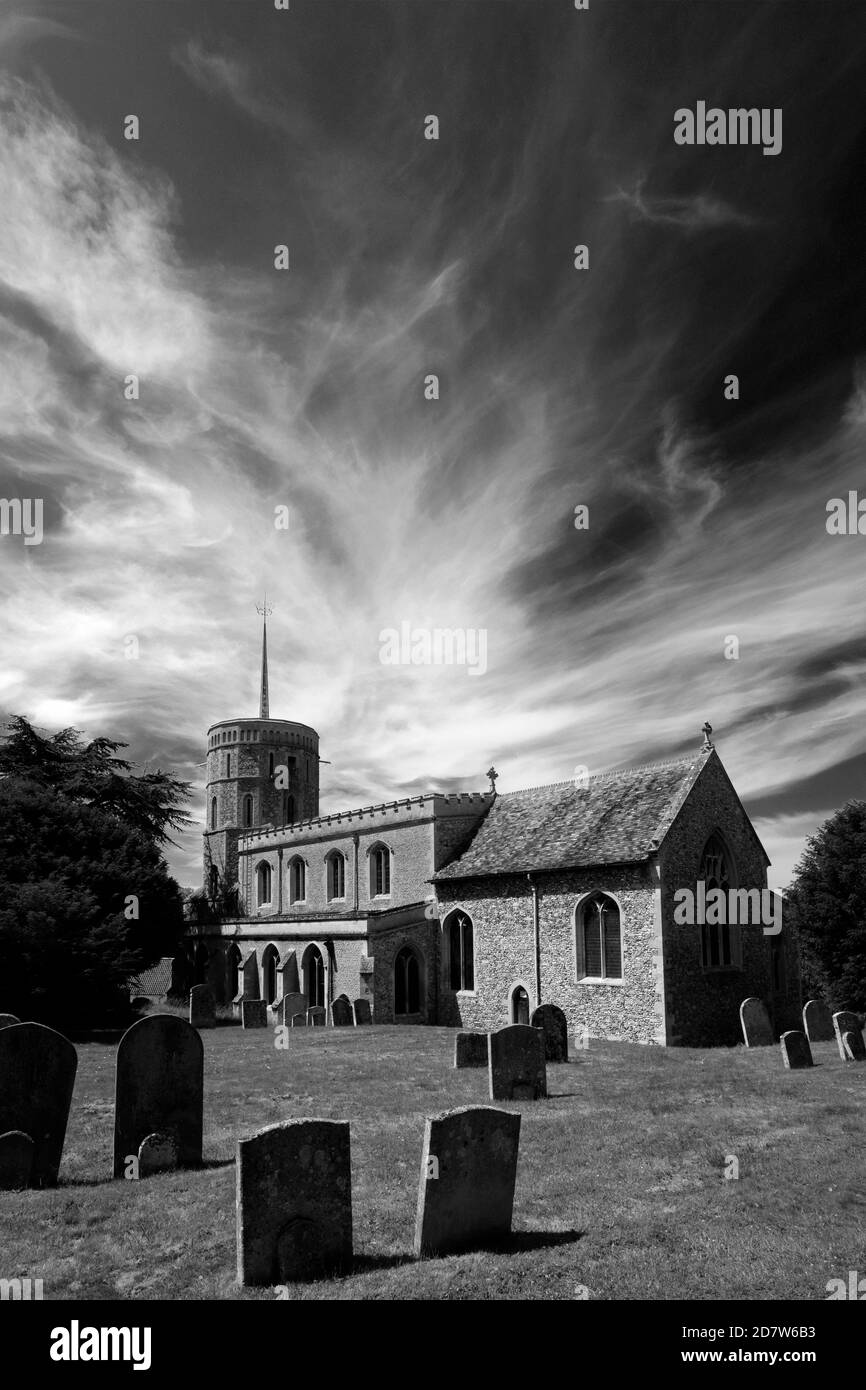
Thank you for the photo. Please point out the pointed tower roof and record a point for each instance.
(264, 712)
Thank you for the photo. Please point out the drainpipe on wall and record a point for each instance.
(356, 839)
(536, 938)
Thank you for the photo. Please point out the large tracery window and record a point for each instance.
(600, 938)
(461, 951)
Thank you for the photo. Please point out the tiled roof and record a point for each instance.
(156, 980)
(616, 818)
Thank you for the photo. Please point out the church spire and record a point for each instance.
(265, 611)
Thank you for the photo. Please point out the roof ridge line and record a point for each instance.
(597, 776)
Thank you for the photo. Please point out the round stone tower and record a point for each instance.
(259, 772)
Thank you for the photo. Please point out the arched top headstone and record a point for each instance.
(159, 1088)
(37, 1074)
(555, 1025)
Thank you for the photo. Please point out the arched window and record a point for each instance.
(270, 764)
(297, 881)
(336, 867)
(716, 871)
(248, 810)
(314, 977)
(380, 872)
(213, 882)
(600, 938)
(519, 1005)
(263, 884)
(269, 973)
(461, 951)
(228, 764)
(407, 983)
(290, 810)
(213, 813)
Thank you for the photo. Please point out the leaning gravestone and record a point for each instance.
(202, 1007)
(157, 1153)
(468, 1172)
(553, 1021)
(254, 1013)
(37, 1074)
(341, 1013)
(289, 1005)
(471, 1050)
(844, 1023)
(16, 1160)
(362, 1012)
(818, 1021)
(796, 1051)
(294, 1202)
(755, 1022)
(316, 1017)
(159, 1088)
(517, 1068)
(6, 1020)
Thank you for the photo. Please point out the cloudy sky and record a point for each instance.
(304, 388)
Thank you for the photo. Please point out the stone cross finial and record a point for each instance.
(492, 774)
(706, 731)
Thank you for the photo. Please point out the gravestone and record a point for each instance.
(6, 1020)
(291, 1004)
(796, 1051)
(517, 1068)
(471, 1050)
(818, 1021)
(362, 1012)
(294, 1202)
(553, 1021)
(468, 1172)
(157, 1153)
(254, 1013)
(316, 1017)
(299, 1020)
(159, 1088)
(202, 1007)
(844, 1023)
(16, 1160)
(341, 1013)
(755, 1023)
(37, 1074)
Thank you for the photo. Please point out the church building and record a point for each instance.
(470, 909)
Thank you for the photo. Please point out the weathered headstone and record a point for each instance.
(818, 1021)
(157, 1153)
(362, 1012)
(553, 1021)
(341, 1013)
(254, 1013)
(755, 1023)
(16, 1160)
(291, 1004)
(159, 1088)
(294, 1202)
(468, 1172)
(37, 1074)
(6, 1020)
(796, 1051)
(844, 1023)
(202, 1007)
(517, 1068)
(471, 1050)
(299, 1020)
(316, 1017)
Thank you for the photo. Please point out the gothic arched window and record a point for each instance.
(407, 983)
(716, 871)
(380, 872)
(297, 881)
(336, 873)
(248, 810)
(519, 1005)
(600, 938)
(213, 813)
(461, 951)
(263, 884)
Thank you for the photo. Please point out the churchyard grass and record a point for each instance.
(621, 1186)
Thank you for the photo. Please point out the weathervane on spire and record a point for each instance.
(265, 610)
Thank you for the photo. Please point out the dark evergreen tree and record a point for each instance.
(826, 906)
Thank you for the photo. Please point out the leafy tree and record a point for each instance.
(826, 905)
(86, 900)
